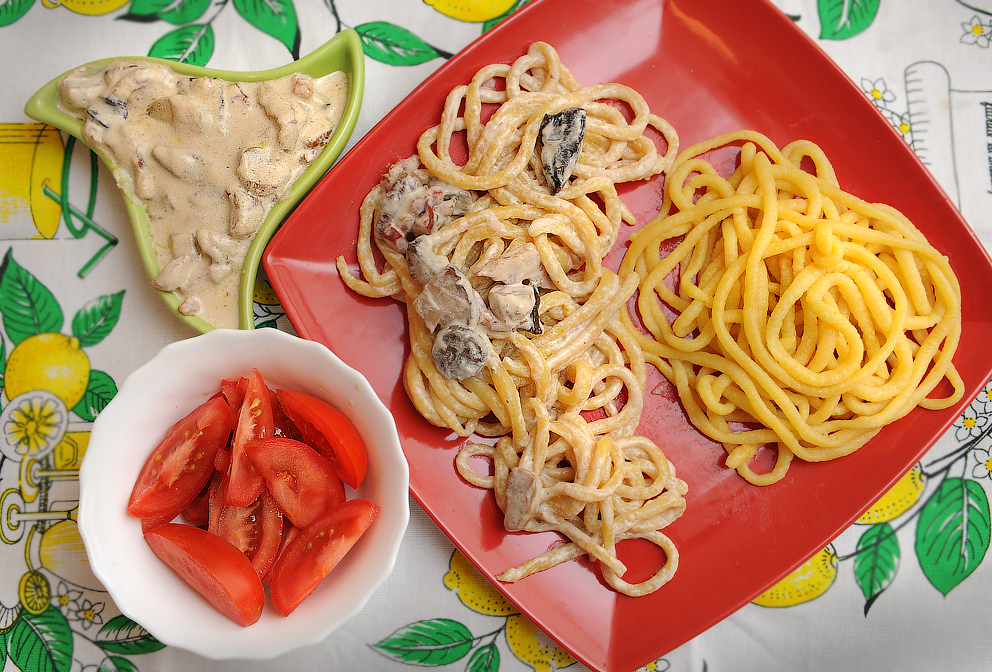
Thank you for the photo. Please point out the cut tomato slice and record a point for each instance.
(182, 463)
(233, 390)
(255, 530)
(329, 431)
(255, 421)
(215, 568)
(300, 479)
(316, 550)
(197, 512)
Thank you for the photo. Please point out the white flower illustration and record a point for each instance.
(976, 32)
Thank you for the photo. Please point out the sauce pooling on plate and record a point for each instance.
(208, 159)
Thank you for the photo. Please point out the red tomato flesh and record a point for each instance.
(182, 463)
(255, 530)
(255, 421)
(215, 568)
(316, 550)
(300, 479)
(329, 431)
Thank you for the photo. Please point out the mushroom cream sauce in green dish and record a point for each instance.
(342, 53)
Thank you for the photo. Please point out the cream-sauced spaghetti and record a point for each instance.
(516, 328)
(802, 312)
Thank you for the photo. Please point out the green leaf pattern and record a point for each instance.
(276, 18)
(394, 45)
(28, 306)
(843, 19)
(192, 44)
(40, 642)
(952, 535)
(430, 643)
(121, 635)
(876, 561)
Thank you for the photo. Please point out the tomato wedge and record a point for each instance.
(300, 479)
(330, 432)
(233, 390)
(255, 421)
(316, 550)
(255, 530)
(215, 568)
(181, 465)
(197, 511)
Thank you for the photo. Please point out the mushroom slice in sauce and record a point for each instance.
(247, 213)
(411, 207)
(259, 173)
(561, 139)
(399, 183)
(515, 307)
(182, 163)
(424, 263)
(221, 249)
(521, 491)
(448, 298)
(187, 265)
(459, 351)
(518, 264)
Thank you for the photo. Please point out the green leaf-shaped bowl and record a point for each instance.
(342, 53)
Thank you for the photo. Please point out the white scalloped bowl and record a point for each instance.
(182, 376)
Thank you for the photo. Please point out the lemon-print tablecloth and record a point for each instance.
(78, 315)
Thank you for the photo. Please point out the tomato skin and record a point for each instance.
(180, 466)
(329, 431)
(255, 421)
(300, 479)
(316, 550)
(213, 567)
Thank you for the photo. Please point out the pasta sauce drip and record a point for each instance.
(208, 159)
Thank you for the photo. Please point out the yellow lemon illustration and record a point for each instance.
(34, 591)
(474, 590)
(52, 362)
(31, 157)
(88, 7)
(472, 11)
(32, 424)
(806, 583)
(69, 453)
(898, 499)
(264, 294)
(62, 553)
(534, 647)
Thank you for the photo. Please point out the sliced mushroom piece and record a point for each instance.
(400, 182)
(521, 491)
(561, 139)
(117, 105)
(424, 263)
(448, 201)
(518, 264)
(514, 306)
(448, 298)
(186, 113)
(182, 163)
(221, 249)
(260, 173)
(191, 306)
(459, 351)
(247, 213)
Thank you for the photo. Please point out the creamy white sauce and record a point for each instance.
(207, 158)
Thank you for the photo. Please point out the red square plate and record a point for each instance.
(708, 66)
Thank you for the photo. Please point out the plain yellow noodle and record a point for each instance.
(803, 312)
